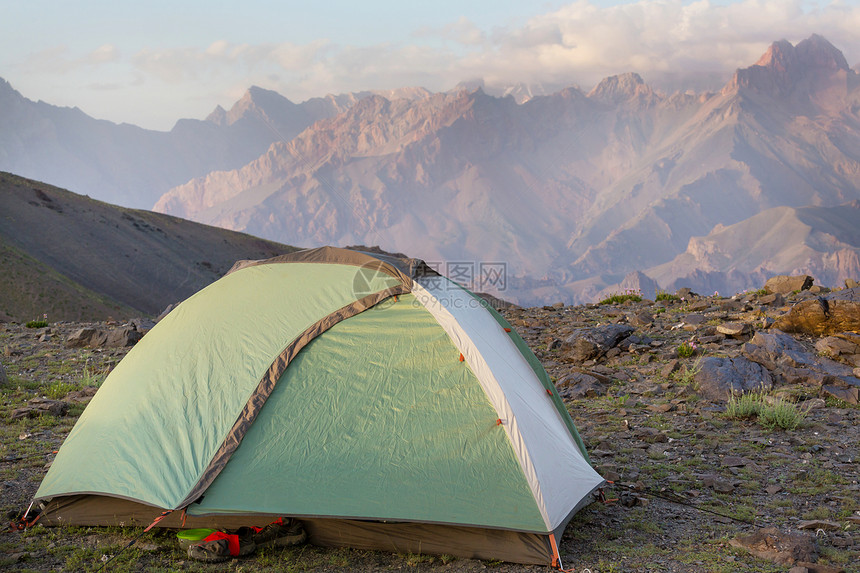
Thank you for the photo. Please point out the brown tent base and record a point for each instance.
(397, 537)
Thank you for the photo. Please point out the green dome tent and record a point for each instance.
(381, 404)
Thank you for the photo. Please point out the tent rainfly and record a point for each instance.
(378, 402)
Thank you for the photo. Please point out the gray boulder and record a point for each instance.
(592, 343)
(122, 337)
(785, 284)
(775, 350)
(845, 345)
(97, 338)
(39, 406)
(578, 385)
(91, 337)
(822, 316)
(719, 377)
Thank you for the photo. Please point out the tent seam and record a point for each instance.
(267, 384)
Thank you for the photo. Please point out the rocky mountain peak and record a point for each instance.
(779, 56)
(621, 88)
(218, 116)
(817, 52)
(7, 92)
(257, 102)
(785, 68)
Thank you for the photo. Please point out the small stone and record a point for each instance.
(661, 408)
(685, 293)
(3, 377)
(818, 568)
(773, 489)
(670, 368)
(836, 346)
(91, 337)
(781, 548)
(718, 484)
(39, 406)
(851, 283)
(774, 299)
(640, 319)
(733, 328)
(816, 524)
(734, 462)
(850, 395)
(122, 337)
(578, 385)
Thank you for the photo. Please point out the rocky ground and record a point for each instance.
(703, 480)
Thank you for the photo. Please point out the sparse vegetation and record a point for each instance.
(687, 375)
(686, 349)
(621, 298)
(770, 412)
(665, 296)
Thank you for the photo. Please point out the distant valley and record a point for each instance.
(571, 192)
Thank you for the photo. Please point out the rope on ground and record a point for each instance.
(675, 498)
(133, 541)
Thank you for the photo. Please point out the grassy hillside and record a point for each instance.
(76, 258)
(29, 290)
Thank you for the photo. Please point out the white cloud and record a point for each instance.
(579, 43)
(576, 44)
(582, 42)
(463, 31)
(103, 54)
(59, 59)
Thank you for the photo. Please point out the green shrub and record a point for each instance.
(663, 295)
(769, 413)
(619, 298)
(781, 414)
(57, 390)
(686, 349)
(744, 406)
(36, 324)
(92, 377)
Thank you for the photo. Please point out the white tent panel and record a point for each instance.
(557, 472)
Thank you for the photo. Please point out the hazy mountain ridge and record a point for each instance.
(572, 190)
(128, 165)
(76, 258)
(823, 242)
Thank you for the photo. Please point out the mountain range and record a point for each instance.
(568, 192)
(133, 167)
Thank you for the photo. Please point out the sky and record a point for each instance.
(152, 63)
